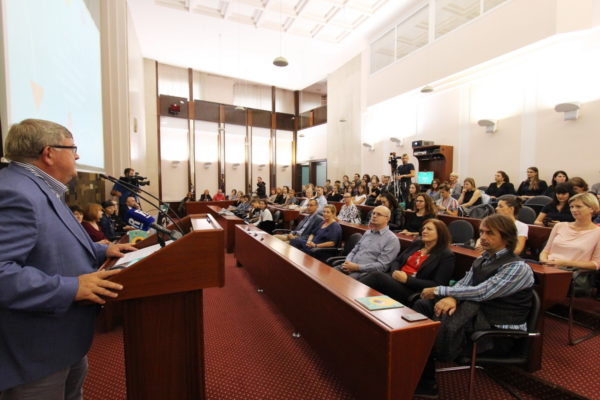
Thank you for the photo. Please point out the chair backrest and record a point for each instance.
(524, 346)
(483, 188)
(526, 215)
(461, 231)
(538, 201)
(481, 211)
(351, 242)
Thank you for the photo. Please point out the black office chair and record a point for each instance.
(462, 232)
(519, 355)
(348, 246)
(526, 215)
(483, 188)
(538, 203)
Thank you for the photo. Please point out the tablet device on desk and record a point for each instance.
(413, 317)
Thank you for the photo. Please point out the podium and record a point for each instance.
(162, 311)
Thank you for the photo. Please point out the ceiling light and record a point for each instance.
(280, 61)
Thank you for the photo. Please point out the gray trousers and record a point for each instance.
(65, 384)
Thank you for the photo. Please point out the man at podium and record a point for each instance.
(48, 268)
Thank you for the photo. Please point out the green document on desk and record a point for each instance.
(373, 303)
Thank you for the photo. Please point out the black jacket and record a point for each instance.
(436, 270)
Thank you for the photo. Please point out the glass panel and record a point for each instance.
(173, 81)
(321, 172)
(412, 33)
(305, 174)
(450, 14)
(489, 4)
(382, 51)
(174, 154)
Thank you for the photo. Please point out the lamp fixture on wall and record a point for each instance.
(284, 167)
(491, 125)
(280, 61)
(399, 141)
(261, 166)
(427, 89)
(571, 110)
(175, 163)
(368, 146)
(236, 165)
(207, 164)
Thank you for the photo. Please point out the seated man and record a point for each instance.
(130, 203)
(219, 196)
(495, 293)
(376, 249)
(308, 226)
(309, 195)
(107, 223)
(321, 199)
(241, 210)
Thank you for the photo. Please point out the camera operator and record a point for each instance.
(405, 173)
(123, 192)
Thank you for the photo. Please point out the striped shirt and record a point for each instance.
(510, 278)
(57, 186)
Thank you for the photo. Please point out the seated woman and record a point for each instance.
(557, 177)
(579, 185)
(558, 210)
(280, 197)
(575, 244)
(424, 210)
(455, 187)
(335, 194)
(77, 213)
(413, 191)
(91, 218)
(470, 196)
(396, 212)
(205, 196)
(434, 190)
(234, 196)
(509, 207)
(532, 186)
(290, 198)
(427, 262)
(272, 196)
(500, 186)
(374, 193)
(329, 234)
(265, 218)
(349, 212)
(446, 204)
(361, 195)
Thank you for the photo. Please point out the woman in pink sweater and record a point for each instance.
(575, 244)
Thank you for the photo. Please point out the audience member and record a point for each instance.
(500, 186)
(205, 196)
(130, 203)
(241, 210)
(181, 208)
(532, 186)
(373, 194)
(575, 244)
(446, 203)
(579, 185)
(334, 195)
(108, 224)
(404, 174)
(122, 190)
(265, 218)
(409, 199)
(329, 234)
(557, 177)
(321, 199)
(261, 190)
(272, 196)
(290, 198)
(220, 196)
(234, 196)
(308, 226)
(425, 263)
(396, 212)
(280, 198)
(509, 206)
(494, 293)
(434, 190)
(376, 249)
(455, 187)
(558, 210)
(471, 196)
(349, 212)
(77, 213)
(424, 210)
(91, 218)
(386, 184)
(361, 196)
(253, 212)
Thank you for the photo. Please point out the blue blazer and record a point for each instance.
(313, 223)
(43, 249)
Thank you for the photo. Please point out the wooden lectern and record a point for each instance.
(162, 311)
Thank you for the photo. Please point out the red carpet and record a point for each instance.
(251, 354)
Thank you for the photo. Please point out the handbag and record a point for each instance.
(583, 281)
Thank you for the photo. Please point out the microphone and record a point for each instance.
(140, 220)
(137, 189)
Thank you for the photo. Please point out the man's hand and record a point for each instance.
(290, 236)
(92, 286)
(428, 293)
(348, 266)
(447, 305)
(116, 250)
(400, 276)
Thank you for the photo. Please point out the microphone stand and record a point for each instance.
(136, 189)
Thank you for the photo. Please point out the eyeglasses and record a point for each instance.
(58, 146)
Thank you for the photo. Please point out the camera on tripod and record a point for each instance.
(393, 161)
(135, 180)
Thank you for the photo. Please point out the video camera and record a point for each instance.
(393, 161)
(135, 180)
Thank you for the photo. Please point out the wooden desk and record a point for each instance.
(228, 223)
(377, 354)
(552, 284)
(289, 216)
(201, 207)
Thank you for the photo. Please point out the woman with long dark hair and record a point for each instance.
(558, 177)
(533, 185)
(424, 210)
(558, 210)
(500, 186)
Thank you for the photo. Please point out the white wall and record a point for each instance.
(312, 143)
(235, 146)
(260, 156)
(174, 154)
(283, 143)
(206, 156)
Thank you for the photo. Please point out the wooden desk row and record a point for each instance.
(377, 354)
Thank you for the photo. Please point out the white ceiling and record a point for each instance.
(240, 38)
